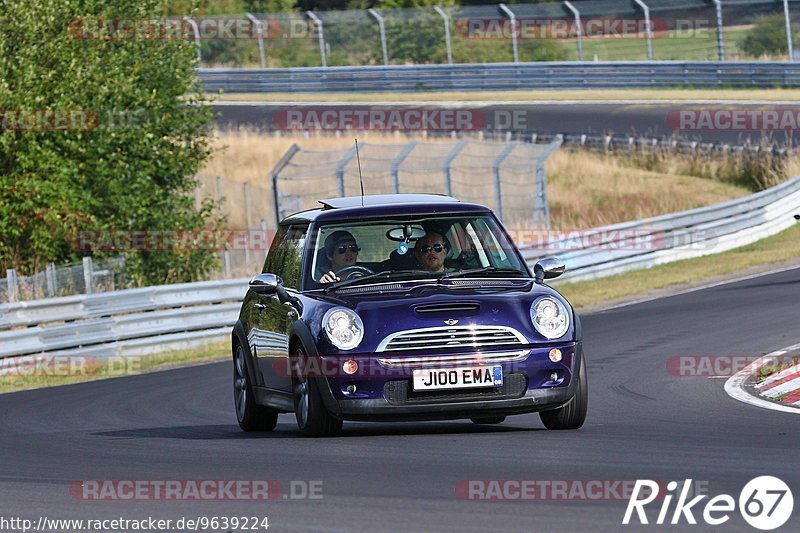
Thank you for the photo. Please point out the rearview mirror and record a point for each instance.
(548, 267)
(405, 233)
(265, 283)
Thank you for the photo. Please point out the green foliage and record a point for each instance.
(767, 36)
(129, 167)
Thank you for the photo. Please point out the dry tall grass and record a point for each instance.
(585, 189)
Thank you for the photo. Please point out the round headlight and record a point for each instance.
(550, 317)
(343, 327)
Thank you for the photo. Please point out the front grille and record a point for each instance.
(400, 392)
(452, 337)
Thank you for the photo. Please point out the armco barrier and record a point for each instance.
(147, 320)
(503, 76)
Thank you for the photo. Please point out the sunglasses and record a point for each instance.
(426, 248)
(352, 247)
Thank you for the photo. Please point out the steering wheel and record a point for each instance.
(353, 271)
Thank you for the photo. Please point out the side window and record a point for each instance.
(286, 254)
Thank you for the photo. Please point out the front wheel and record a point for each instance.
(572, 415)
(313, 418)
(251, 416)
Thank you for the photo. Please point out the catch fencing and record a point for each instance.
(576, 30)
(507, 176)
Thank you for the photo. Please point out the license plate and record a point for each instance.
(458, 378)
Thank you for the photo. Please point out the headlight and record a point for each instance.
(343, 327)
(550, 317)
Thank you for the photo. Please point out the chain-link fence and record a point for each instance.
(87, 277)
(586, 30)
(507, 176)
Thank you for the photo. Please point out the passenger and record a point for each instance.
(341, 250)
(431, 251)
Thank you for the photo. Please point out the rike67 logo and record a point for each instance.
(765, 503)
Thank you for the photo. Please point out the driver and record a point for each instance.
(341, 250)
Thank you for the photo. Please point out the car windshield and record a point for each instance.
(387, 250)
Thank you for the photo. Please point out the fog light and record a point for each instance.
(555, 355)
(351, 389)
(350, 367)
(553, 377)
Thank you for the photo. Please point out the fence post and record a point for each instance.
(13, 286)
(88, 275)
(248, 221)
(513, 19)
(498, 190)
(260, 32)
(320, 36)
(220, 192)
(577, 28)
(50, 278)
(382, 29)
(273, 178)
(226, 260)
(196, 194)
(648, 25)
(720, 31)
(448, 180)
(196, 32)
(789, 43)
(447, 44)
(397, 161)
(541, 207)
(340, 166)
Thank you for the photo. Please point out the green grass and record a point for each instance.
(781, 247)
(95, 369)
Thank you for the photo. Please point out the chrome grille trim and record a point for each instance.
(447, 360)
(451, 337)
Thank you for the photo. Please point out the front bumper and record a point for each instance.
(527, 388)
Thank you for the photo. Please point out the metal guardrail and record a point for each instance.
(646, 243)
(503, 76)
(151, 319)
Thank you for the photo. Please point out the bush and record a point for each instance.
(129, 167)
(767, 36)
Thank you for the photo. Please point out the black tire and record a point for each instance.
(313, 419)
(251, 416)
(489, 420)
(573, 414)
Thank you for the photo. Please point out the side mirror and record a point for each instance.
(548, 268)
(265, 283)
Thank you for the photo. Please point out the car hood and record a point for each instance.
(485, 302)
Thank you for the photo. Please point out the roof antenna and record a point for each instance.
(360, 179)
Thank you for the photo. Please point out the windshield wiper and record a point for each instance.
(483, 270)
(376, 275)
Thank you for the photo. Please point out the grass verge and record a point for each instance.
(27, 374)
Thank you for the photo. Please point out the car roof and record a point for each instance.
(380, 205)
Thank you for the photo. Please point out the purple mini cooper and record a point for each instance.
(404, 307)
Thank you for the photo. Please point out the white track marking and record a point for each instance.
(734, 387)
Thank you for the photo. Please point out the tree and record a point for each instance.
(767, 36)
(138, 135)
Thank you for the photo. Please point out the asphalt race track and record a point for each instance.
(653, 120)
(643, 423)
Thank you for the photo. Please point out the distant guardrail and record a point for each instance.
(619, 248)
(152, 319)
(503, 76)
